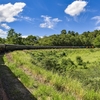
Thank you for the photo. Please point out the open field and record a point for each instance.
(64, 74)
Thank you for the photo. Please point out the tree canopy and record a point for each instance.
(65, 38)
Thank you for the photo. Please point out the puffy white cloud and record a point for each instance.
(4, 25)
(2, 32)
(97, 18)
(49, 22)
(76, 7)
(9, 11)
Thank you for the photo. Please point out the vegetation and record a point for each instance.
(65, 38)
(65, 74)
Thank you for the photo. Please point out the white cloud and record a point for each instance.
(98, 27)
(9, 11)
(75, 8)
(49, 22)
(26, 18)
(2, 32)
(41, 36)
(97, 18)
(24, 36)
(4, 25)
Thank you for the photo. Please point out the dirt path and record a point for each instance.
(14, 89)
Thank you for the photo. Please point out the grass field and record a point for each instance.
(64, 74)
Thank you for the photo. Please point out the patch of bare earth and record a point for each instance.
(9, 57)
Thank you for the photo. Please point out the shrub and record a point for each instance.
(84, 65)
(79, 60)
(62, 54)
(67, 64)
(49, 63)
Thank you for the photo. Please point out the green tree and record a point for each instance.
(13, 37)
(96, 41)
(63, 31)
(2, 40)
(30, 40)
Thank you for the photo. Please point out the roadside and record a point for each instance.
(3, 95)
(14, 89)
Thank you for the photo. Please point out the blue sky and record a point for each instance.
(47, 17)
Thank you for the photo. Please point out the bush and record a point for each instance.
(49, 63)
(67, 64)
(84, 65)
(62, 54)
(79, 60)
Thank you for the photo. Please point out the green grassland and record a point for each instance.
(58, 74)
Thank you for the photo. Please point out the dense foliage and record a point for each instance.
(65, 38)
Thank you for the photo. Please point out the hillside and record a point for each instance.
(64, 74)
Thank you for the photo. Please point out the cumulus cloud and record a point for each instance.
(9, 11)
(2, 32)
(4, 25)
(49, 22)
(76, 7)
(97, 18)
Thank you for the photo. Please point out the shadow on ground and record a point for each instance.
(14, 89)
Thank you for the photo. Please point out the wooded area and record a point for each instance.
(65, 38)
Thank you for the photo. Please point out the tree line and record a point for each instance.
(65, 38)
